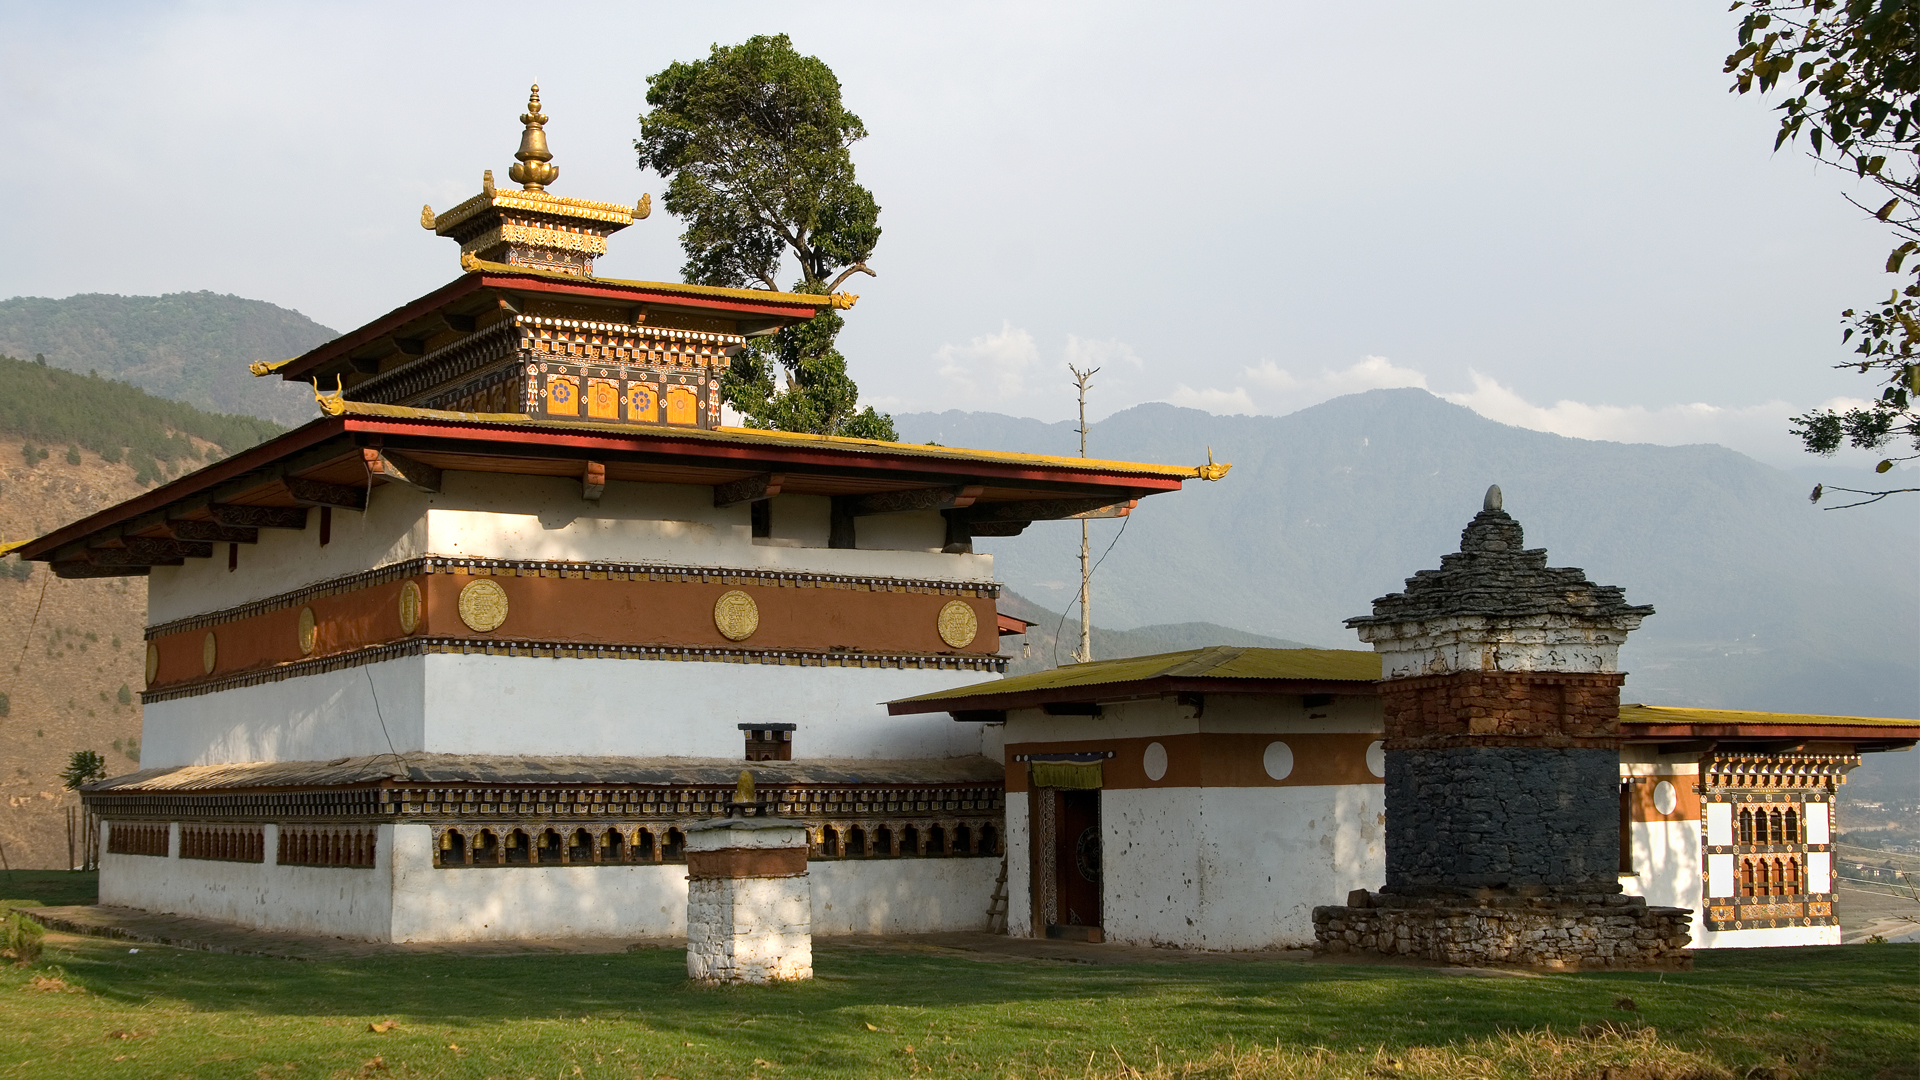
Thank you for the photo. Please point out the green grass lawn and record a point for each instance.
(158, 1012)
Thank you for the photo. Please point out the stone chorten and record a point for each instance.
(1502, 706)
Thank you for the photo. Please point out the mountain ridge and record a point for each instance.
(1760, 600)
(192, 347)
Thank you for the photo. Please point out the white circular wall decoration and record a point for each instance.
(1154, 761)
(1377, 758)
(1664, 797)
(483, 605)
(1278, 760)
(957, 624)
(153, 662)
(736, 616)
(209, 653)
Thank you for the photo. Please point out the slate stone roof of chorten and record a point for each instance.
(1495, 575)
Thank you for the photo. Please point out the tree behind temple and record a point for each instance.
(753, 142)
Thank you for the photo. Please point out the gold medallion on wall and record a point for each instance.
(308, 631)
(153, 662)
(209, 653)
(410, 608)
(483, 605)
(958, 624)
(736, 615)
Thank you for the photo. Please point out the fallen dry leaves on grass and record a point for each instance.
(1609, 1053)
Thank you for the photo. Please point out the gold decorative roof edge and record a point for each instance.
(334, 404)
(473, 264)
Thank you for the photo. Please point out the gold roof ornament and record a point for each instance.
(1211, 470)
(532, 228)
(534, 172)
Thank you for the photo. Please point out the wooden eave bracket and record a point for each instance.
(187, 529)
(909, 500)
(233, 515)
(593, 481)
(401, 469)
(322, 493)
(748, 489)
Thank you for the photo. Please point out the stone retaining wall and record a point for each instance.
(1565, 932)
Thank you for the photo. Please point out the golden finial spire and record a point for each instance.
(533, 173)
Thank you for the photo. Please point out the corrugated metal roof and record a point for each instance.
(1217, 662)
(518, 769)
(1669, 714)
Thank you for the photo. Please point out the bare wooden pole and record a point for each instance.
(1082, 380)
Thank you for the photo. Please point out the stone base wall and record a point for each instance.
(1561, 932)
(752, 930)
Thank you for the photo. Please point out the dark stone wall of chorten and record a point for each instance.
(1502, 718)
(1502, 704)
(1501, 816)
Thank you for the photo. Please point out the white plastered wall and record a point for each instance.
(350, 902)
(1234, 868)
(527, 705)
(478, 704)
(310, 718)
(496, 516)
(1228, 868)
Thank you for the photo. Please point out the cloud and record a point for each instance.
(1672, 425)
(990, 368)
(1106, 355)
(1224, 402)
(1371, 373)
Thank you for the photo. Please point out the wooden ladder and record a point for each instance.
(997, 909)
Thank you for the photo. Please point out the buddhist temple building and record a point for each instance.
(1225, 798)
(467, 655)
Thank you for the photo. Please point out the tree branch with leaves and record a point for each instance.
(754, 143)
(1852, 69)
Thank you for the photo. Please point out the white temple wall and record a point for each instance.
(530, 902)
(480, 704)
(393, 529)
(349, 902)
(1019, 848)
(1234, 868)
(901, 896)
(476, 704)
(309, 718)
(535, 517)
(494, 516)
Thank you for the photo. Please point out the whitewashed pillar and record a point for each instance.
(749, 906)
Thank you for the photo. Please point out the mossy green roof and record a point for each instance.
(1670, 714)
(1216, 662)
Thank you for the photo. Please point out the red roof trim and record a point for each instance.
(385, 324)
(504, 436)
(750, 454)
(469, 283)
(219, 472)
(610, 291)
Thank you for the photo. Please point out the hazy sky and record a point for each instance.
(1553, 213)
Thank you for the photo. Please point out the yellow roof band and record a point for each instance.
(473, 264)
(335, 405)
(536, 202)
(1669, 714)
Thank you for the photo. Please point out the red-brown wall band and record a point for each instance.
(584, 611)
(1213, 759)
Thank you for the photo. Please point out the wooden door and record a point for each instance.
(1076, 859)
